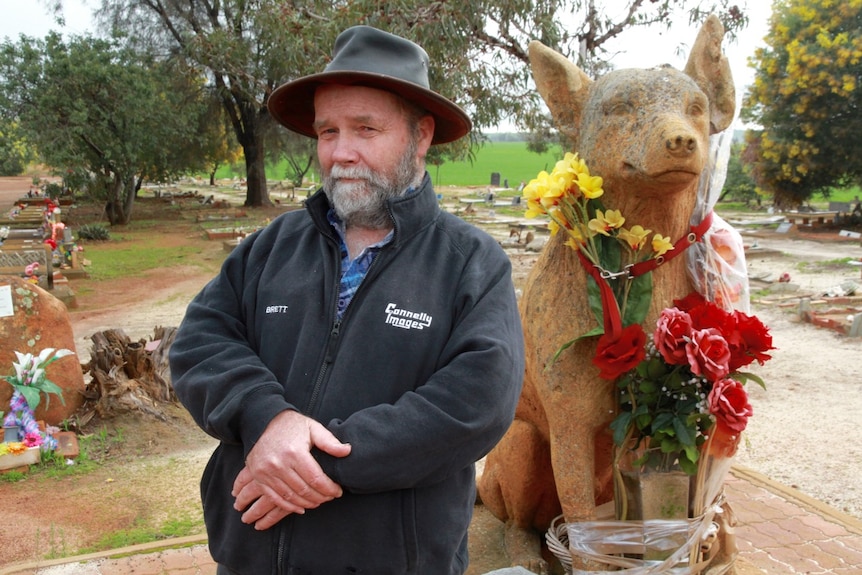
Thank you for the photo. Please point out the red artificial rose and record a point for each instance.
(709, 315)
(751, 340)
(708, 354)
(673, 329)
(728, 402)
(614, 357)
(689, 302)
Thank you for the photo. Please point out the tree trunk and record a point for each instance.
(114, 206)
(121, 198)
(256, 194)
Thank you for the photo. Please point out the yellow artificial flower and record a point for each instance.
(661, 245)
(573, 243)
(590, 186)
(16, 447)
(537, 188)
(576, 238)
(534, 209)
(558, 217)
(635, 237)
(606, 221)
(564, 173)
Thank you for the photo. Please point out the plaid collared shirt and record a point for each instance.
(353, 271)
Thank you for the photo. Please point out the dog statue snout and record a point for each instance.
(681, 145)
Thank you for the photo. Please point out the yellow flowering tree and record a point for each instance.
(807, 99)
(571, 197)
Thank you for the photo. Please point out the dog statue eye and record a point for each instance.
(698, 107)
(618, 108)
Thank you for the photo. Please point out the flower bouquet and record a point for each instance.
(682, 404)
(571, 197)
(29, 382)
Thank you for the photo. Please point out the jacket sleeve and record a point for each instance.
(216, 373)
(463, 409)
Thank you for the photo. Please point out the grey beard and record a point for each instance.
(363, 203)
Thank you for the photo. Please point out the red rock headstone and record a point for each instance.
(31, 319)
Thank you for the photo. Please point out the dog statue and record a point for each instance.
(646, 133)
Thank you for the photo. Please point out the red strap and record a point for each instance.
(613, 322)
(680, 246)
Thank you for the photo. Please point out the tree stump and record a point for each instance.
(129, 375)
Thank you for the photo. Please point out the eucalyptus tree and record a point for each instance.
(478, 48)
(102, 110)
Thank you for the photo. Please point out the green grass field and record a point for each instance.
(514, 164)
(510, 159)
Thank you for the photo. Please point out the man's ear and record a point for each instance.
(426, 134)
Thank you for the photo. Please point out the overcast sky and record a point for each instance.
(639, 48)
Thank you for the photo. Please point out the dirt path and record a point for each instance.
(804, 433)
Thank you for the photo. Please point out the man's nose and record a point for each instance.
(345, 150)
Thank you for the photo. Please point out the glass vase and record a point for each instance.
(10, 433)
(656, 498)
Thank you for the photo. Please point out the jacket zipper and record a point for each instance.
(324, 369)
(332, 341)
(331, 344)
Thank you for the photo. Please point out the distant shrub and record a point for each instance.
(93, 232)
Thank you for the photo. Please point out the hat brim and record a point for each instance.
(292, 104)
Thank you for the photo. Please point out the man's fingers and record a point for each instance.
(242, 479)
(274, 516)
(264, 513)
(325, 441)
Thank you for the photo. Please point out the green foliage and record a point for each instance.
(94, 232)
(478, 50)
(661, 401)
(807, 97)
(15, 153)
(739, 186)
(12, 476)
(95, 107)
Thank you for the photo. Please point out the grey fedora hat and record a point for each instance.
(366, 56)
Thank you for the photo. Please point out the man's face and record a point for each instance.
(368, 150)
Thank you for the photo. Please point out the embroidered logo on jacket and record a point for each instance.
(406, 319)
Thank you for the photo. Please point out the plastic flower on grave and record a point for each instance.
(30, 378)
(33, 439)
(686, 396)
(15, 448)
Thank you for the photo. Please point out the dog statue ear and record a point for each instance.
(562, 85)
(708, 67)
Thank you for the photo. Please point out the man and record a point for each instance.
(356, 358)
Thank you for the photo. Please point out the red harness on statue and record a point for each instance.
(613, 321)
